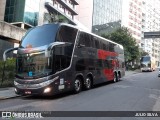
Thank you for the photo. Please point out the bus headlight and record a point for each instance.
(47, 90)
(15, 90)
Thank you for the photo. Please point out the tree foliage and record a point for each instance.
(123, 37)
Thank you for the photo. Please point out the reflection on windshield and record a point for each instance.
(40, 36)
(32, 65)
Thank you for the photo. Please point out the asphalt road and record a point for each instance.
(137, 92)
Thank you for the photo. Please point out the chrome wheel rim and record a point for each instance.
(88, 83)
(77, 85)
(114, 78)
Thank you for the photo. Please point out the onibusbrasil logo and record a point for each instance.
(21, 115)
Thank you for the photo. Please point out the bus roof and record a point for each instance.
(80, 29)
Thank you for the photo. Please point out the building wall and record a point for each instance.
(132, 17)
(31, 12)
(3, 46)
(2, 9)
(151, 22)
(14, 11)
(85, 11)
(64, 9)
(25, 11)
(107, 15)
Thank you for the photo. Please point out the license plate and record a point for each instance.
(61, 87)
(28, 92)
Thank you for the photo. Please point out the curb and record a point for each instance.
(4, 98)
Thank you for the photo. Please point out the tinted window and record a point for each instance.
(40, 36)
(92, 42)
(96, 43)
(67, 34)
(85, 39)
(103, 46)
(106, 45)
(82, 39)
(111, 47)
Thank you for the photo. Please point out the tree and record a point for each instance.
(123, 37)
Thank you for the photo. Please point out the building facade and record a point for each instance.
(132, 17)
(29, 13)
(23, 13)
(2, 9)
(100, 16)
(85, 12)
(107, 16)
(151, 23)
(61, 11)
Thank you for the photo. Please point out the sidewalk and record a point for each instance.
(127, 73)
(6, 93)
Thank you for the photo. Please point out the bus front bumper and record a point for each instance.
(146, 69)
(44, 88)
(44, 91)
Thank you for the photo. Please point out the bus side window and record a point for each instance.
(92, 42)
(106, 45)
(111, 47)
(97, 43)
(87, 40)
(67, 34)
(100, 44)
(82, 38)
(103, 46)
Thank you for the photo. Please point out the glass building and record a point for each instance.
(107, 16)
(22, 11)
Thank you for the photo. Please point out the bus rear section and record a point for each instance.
(98, 60)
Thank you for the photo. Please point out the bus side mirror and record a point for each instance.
(7, 51)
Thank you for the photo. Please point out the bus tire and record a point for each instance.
(88, 83)
(115, 78)
(77, 85)
(118, 76)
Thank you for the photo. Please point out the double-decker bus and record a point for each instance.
(147, 63)
(55, 58)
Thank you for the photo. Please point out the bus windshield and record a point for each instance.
(35, 63)
(145, 59)
(40, 36)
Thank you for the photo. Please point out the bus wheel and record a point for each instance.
(88, 83)
(118, 77)
(115, 78)
(77, 85)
